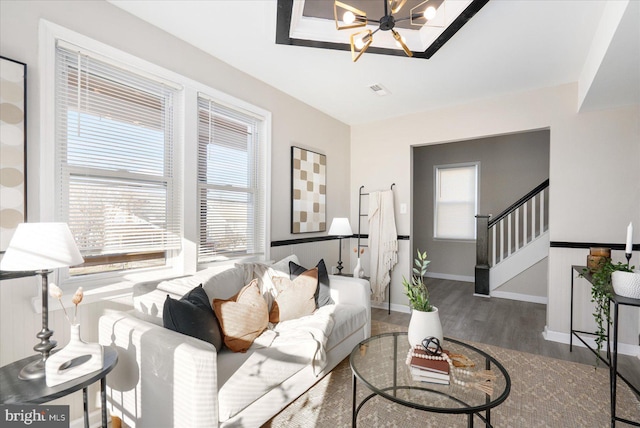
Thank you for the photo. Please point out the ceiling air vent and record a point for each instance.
(379, 90)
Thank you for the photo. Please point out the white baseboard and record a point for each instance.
(394, 307)
(521, 297)
(556, 336)
(451, 277)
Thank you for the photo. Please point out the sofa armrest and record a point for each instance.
(352, 291)
(163, 378)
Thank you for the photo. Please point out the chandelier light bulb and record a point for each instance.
(348, 17)
(430, 12)
(359, 43)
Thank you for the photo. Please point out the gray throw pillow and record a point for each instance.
(193, 315)
(323, 294)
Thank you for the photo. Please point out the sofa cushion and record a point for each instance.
(283, 265)
(182, 285)
(192, 315)
(225, 284)
(242, 317)
(347, 319)
(148, 302)
(322, 296)
(244, 378)
(295, 298)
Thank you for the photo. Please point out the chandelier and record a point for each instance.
(348, 17)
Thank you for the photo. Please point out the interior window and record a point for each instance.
(456, 201)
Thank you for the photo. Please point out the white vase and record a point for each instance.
(358, 272)
(423, 325)
(626, 284)
(75, 360)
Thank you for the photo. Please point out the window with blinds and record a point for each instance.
(114, 163)
(231, 183)
(456, 197)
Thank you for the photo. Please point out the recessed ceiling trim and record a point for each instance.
(295, 29)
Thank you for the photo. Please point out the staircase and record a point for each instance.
(513, 241)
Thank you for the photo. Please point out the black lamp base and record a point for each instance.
(339, 267)
(35, 370)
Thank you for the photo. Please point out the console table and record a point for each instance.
(612, 346)
(36, 391)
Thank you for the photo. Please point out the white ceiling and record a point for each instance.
(508, 46)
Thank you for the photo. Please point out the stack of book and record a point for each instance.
(425, 370)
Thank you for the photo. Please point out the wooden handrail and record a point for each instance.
(519, 202)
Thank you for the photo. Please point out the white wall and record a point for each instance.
(293, 123)
(594, 172)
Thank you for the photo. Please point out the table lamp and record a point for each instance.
(340, 227)
(40, 248)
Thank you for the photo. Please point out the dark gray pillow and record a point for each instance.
(193, 315)
(323, 295)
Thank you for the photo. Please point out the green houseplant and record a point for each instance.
(425, 319)
(601, 291)
(416, 290)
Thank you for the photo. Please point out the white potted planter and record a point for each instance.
(423, 325)
(626, 284)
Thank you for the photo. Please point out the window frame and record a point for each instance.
(75, 76)
(436, 182)
(184, 261)
(260, 164)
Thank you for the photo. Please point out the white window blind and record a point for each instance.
(456, 189)
(115, 163)
(231, 182)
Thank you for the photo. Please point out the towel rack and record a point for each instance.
(360, 215)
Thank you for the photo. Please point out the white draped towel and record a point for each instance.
(383, 241)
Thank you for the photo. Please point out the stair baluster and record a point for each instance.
(500, 247)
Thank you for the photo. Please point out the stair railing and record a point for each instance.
(498, 238)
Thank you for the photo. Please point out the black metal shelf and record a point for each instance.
(612, 354)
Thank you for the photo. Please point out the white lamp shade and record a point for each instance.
(41, 246)
(340, 227)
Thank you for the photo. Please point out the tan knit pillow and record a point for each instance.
(295, 298)
(242, 317)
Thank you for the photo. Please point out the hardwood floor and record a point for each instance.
(505, 323)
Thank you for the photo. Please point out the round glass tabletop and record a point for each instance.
(380, 362)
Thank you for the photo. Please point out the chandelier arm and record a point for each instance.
(402, 44)
(405, 19)
(376, 21)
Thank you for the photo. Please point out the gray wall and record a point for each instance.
(510, 166)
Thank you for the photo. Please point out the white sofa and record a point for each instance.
(167, 379)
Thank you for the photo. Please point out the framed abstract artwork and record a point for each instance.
(308, 191)
(13, 140)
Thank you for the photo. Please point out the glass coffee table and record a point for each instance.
(380, 363)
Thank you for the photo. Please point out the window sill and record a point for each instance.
(117, 289)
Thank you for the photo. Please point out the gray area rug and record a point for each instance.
(545, 392)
